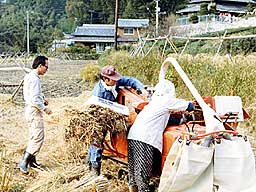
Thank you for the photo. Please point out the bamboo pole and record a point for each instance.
(18, 88)
(164, 47)
(221, 42)
(151, 47)
(184, 48)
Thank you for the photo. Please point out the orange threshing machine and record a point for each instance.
(229, 109)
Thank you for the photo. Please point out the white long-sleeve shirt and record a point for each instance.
(32, 91)
(152, 120)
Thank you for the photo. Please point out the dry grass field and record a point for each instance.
(62, 163)
(63, 167)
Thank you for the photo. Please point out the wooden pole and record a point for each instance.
(116, 25)
(16, 91)
(221, 42)
(151, 47)
(184, 48)
(164, 47)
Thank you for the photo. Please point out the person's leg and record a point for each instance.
(36, 133)
(33, 163)
(131, 172)
(143, 160)
(88, 158)
(23, 165)
(95, 158)
(36, 138)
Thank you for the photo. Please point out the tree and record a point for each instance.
(78, 11)
(203, 9)
(213, 9)
(129, 10)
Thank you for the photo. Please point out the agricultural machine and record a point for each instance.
(215, 116)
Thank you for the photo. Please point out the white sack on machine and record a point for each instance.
(188, 168)
(234, 166)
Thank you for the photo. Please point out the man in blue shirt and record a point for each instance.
(111, 80)
(108, 88)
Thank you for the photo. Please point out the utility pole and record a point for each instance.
(91, 11)
(116, 25)
(28, 32)
(157, 13)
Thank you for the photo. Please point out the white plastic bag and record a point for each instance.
(191, 170)
(234, 166)
(170, 166)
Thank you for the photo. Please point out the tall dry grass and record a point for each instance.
(211, 75)
(6, 172)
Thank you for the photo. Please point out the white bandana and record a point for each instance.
(110, 88)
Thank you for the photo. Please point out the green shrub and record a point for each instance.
(203, 9)
(90, 73)
(145, 69)
(193, 19)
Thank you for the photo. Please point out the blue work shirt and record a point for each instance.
(101, 92)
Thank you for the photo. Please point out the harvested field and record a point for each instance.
(63, 168)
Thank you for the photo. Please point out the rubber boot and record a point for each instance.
(95, 170)
(133, 189)
(23, 165)
(33, 162)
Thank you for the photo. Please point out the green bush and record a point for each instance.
(145, 69)
(203, 9)
(90, 73)
(193, 19)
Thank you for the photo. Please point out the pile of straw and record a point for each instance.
(92, 124)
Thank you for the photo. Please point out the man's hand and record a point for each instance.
(142, 92)
(46, 102)
(191, 107)
(48, 111)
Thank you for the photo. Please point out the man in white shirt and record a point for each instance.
(35, 106)
(145, 137)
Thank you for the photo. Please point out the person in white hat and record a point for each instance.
(146, 134)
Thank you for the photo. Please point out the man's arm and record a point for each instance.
(131, 82)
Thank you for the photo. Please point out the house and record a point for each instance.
(234, 7)
(102, 36)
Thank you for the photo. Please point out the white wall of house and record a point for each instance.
(100, 47)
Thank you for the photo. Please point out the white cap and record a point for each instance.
(164, 87)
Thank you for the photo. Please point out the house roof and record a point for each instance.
(190, 9)
(94, 39)
(220, 1)
(100, 30)
(95, 30)
(219, 7)
(103, 39)
(232, 8)
(199, 1)
(133, 22)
